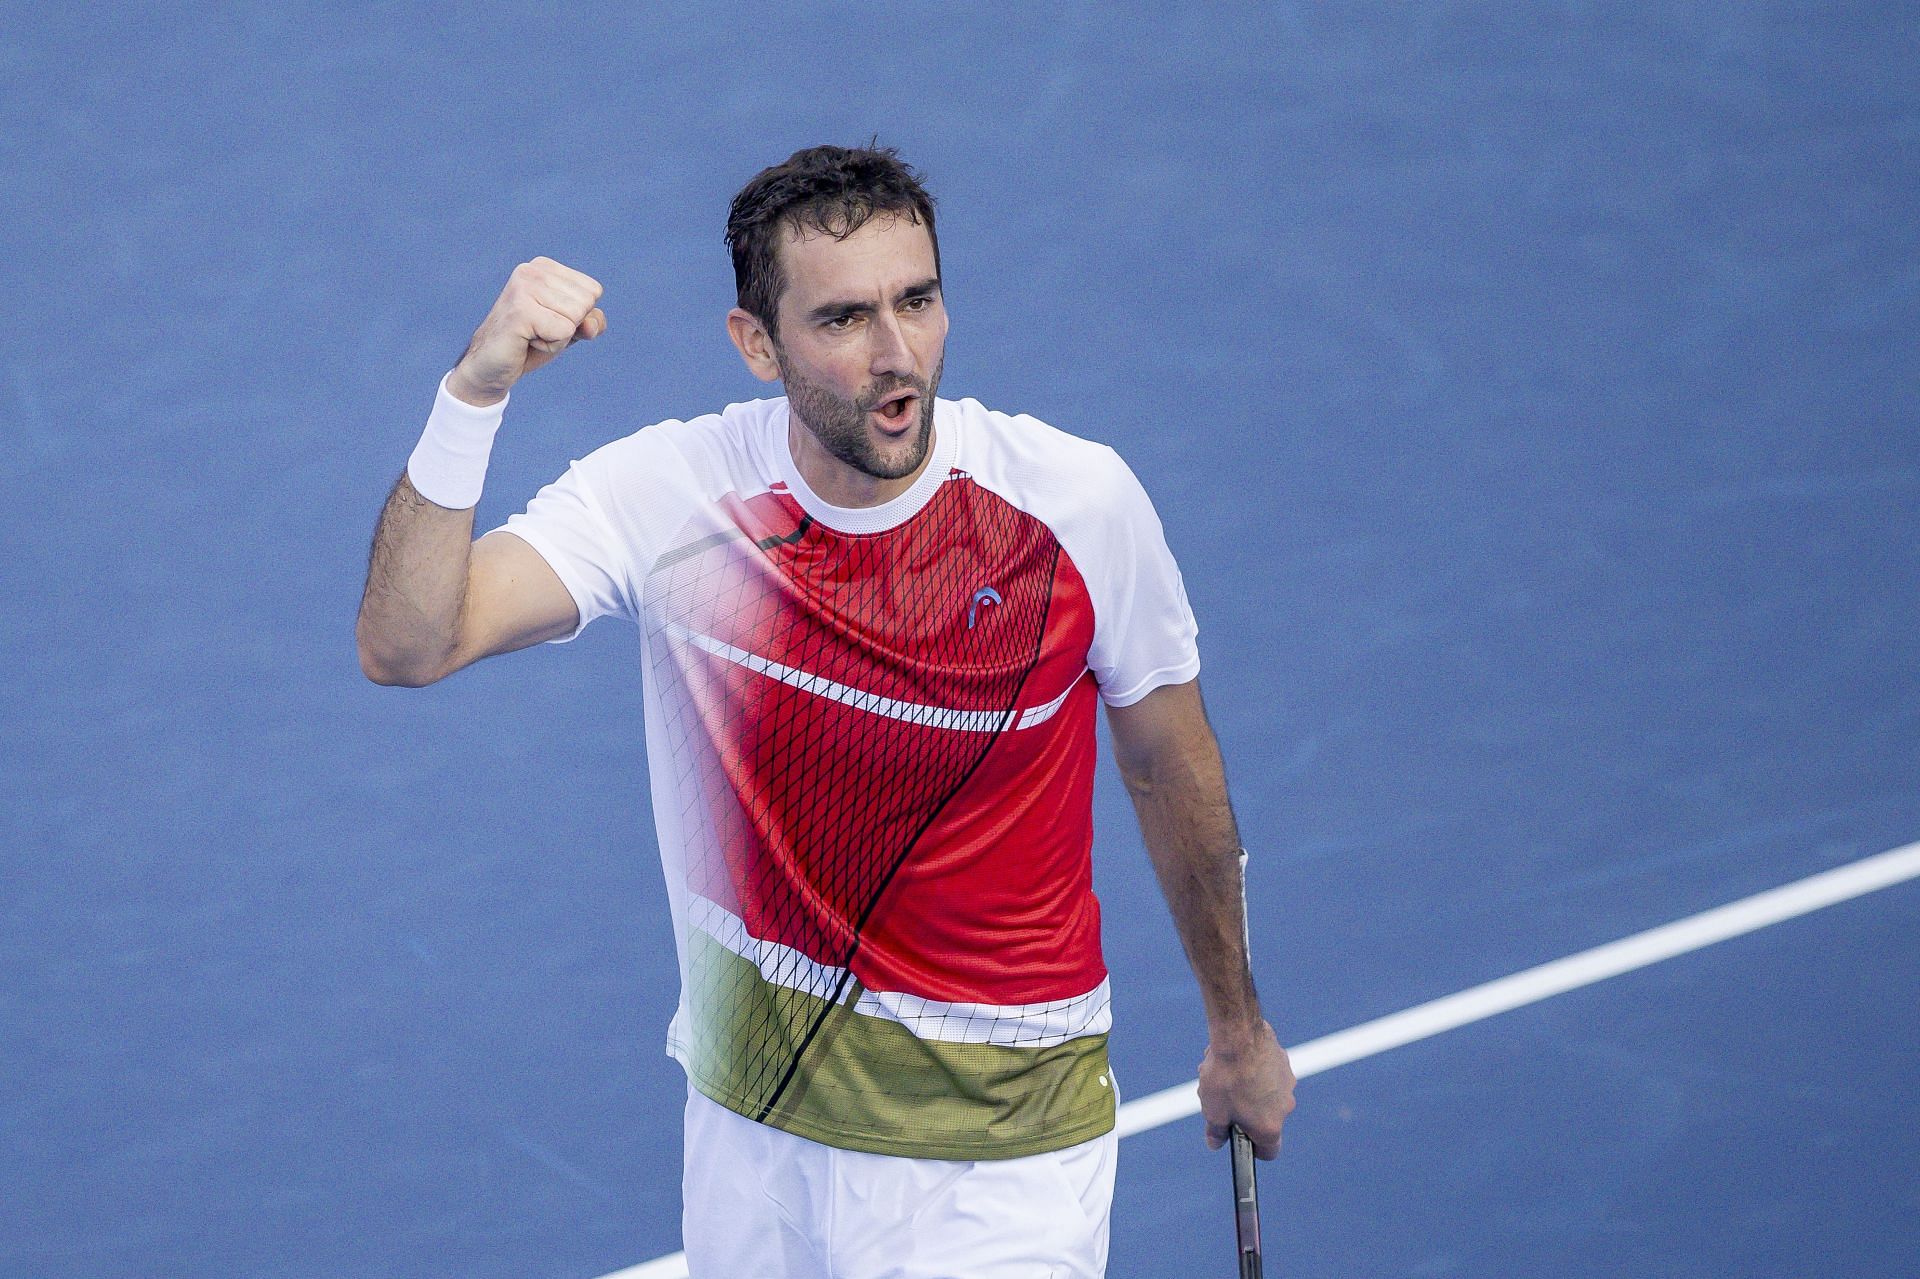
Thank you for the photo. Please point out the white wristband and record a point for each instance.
(449, 464)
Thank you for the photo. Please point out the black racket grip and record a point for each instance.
(1246, 1203)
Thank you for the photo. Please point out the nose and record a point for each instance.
(888, 355)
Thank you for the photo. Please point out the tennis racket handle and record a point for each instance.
(1246, 1204)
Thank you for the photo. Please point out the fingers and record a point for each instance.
(556, 302)
(1266, 1142)
(1216, 1112)
(561, 315)
(1264, 1128)
(557, 334)
(1252, 1088)
(562, 278)
(544, 308)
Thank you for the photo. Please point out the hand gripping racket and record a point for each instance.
(1246, 1203)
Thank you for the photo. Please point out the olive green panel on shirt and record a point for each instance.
(868, 1083)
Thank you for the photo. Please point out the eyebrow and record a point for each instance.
(833, 310)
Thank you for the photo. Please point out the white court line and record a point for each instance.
(1749, 914)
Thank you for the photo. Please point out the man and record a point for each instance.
(874, 627)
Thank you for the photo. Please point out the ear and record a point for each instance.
(755, 343)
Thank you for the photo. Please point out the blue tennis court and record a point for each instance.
(1528, 396)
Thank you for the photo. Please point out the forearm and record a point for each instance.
(1180, 796)
(417, 573)
(1171, 765)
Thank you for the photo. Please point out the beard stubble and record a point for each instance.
(840, 424)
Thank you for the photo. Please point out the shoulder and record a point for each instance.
(1030, 462)
(737, 430)
(1073, 484)
(710, 454)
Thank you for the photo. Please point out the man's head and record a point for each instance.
(839, 288)
(830, 191)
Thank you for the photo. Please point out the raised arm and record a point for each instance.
(435, 599)
(1171, 764)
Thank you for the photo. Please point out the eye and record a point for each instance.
(840, 323)
(921, 303)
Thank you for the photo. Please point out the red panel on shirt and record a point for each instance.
(959, 858)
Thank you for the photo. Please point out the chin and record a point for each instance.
(895, 459)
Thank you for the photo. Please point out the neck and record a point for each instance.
(836, 483)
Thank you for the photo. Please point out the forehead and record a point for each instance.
(889, 252)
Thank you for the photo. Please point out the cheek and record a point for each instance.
(933, 338)
(842, 379)
(827, 368)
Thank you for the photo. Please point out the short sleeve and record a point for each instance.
(567, 523)
(1144, 632)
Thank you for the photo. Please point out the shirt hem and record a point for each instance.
(1099, 1123)
(1181, 674)
(555, 561)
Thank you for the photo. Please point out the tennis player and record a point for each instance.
(874, 626)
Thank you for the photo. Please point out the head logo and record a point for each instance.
(985, 595)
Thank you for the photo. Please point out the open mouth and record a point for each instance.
(895, 413)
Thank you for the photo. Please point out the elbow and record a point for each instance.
(1152, 774)
(1138, 780)
(389, 675)
(394, 677)
(392, 670)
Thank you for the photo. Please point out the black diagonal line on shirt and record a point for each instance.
(668, 559)
(859, 928)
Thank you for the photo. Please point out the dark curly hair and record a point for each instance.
(831, 190)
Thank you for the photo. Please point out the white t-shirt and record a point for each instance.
(871, 740)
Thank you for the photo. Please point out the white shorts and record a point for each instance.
(765, 1204)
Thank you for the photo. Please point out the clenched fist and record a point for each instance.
(544, 307)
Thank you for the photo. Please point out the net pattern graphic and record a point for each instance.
(796, 807)
(1040, 1025)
